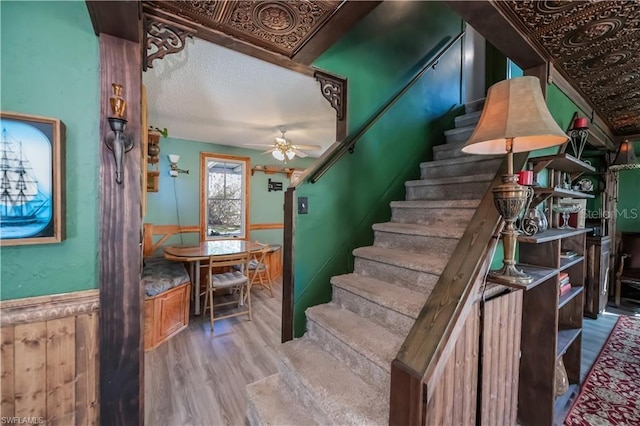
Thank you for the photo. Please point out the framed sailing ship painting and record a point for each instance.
(31, 179)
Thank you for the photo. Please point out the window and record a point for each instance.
(224, 195)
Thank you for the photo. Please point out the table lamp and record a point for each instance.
(515, 118)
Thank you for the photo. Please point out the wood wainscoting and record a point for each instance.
(49, 358)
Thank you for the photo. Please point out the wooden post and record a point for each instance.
(287, 265)
(121, 353)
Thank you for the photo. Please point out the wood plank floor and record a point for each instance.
(200, 379)
(594, 336)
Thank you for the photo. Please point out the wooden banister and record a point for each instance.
(421, 356)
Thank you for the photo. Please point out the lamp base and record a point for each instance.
(509, 274)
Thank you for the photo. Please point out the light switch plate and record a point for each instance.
(303, 205)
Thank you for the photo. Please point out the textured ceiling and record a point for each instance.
(212, 94)
(596, 44)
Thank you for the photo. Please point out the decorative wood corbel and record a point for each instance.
(162, 38)
(334, 90)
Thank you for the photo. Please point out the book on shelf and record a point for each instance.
(563, 276)
(564, 289)
(568, 254)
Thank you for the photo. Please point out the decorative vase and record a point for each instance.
(117, 102)
(562, 381)
(534, 221)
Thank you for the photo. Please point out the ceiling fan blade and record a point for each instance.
(269, 151)
(309, 147)
(262, 145)
(300, 153)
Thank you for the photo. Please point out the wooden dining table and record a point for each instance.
(193, 254)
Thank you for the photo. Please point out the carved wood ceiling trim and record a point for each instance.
(279, 26)
(596, 44)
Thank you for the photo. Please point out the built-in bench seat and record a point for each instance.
(166, 287)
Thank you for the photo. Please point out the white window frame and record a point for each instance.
(245, 163)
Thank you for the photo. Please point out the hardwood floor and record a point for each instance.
(199, 379)
(594, 336)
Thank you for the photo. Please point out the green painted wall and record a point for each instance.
(376, 56)
(265, 206)
(49, 67)
(628, 219)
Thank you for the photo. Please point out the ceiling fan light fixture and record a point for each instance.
(278, 155)
(290, 153)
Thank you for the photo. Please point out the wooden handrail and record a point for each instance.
(420, 358)
(348, 144)
(313, 173)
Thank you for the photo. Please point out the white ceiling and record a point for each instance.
(208, 93)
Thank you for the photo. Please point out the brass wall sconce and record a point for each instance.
(173, 162)
(118, 141)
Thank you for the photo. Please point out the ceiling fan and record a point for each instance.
(283, 150)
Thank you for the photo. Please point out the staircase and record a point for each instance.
(339, 371)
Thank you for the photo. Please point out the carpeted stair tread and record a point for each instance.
(473, 106)
(459, 131)
(367, 338)
(461, 160)
(467, 119)
(271, 402)
(483, 177)
(436, 204)
(343, 397)
(450, 150)
(394, 297)
(453, 232)
(421, 262)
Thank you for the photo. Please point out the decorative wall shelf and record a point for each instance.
(270, 170)
(564, 162)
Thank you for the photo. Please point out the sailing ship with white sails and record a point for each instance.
(22, 203)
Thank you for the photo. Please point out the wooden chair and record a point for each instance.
(236, 280)
(629, 270)
(259, 270)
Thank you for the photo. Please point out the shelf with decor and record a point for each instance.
(551, 321)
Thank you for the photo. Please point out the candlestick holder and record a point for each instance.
(118, 141)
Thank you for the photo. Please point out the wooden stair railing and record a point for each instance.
(317, 170)
(421, 358)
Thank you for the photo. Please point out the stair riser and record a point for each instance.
(315, 404)
(415, 243)
(467, 120)
(428, 171)
(457, 191)
(458, 136)
(431, 216)
(474, 106)
(448, 151)
(367, 369)
(394, 321)
(253, 414)
(411, 279)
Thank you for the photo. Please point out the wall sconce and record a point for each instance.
(117, 141)
(579, 134)
(173, 161)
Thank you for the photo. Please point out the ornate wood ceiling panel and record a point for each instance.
(596, 44)
(279, 26)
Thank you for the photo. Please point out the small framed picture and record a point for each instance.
(31, 179)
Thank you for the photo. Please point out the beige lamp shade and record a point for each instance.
(515, 109)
